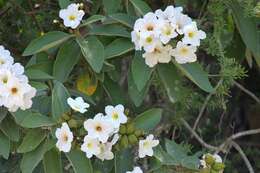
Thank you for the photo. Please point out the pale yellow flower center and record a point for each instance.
(64, 137)
(191, 34)
(72, 17)
(89, 145)
(184, 51)
(115, 116)
(149, 39)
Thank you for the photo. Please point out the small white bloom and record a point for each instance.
(136, 170)
(160, 54)
(72, 16)
(150, 24)
(146, 146)
(217, 158)
(65, 137)
(168, 13)
(180, 20)
(78, 104)
(99, 127)
(167, 32)
(192, 35)
(136, 40)
(116, 115)
(202, 164)
(91, 146)
(5, 57)
(148, 40)
(184, 53)
(106, 153)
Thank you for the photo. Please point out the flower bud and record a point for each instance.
(218, 166)
(138, 133)
(124, 142)
(130, 128)
(209, 159)
(73, 123)
(132, 139)
(122, 129)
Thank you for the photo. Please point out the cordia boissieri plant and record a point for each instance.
(100, 93)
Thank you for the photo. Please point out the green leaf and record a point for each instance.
(247, 26)
(118, 47)
(196, 74)
(171, 81)
(36, 74)
(178, 152)
(140, 71)
(45, 42)
(124, 19)
(52, 161)
(79, 162)
(112, 6)
(149, 119)
(3, 113)
(32, 159)
(110, 30)
(164, 157)
(59, 100)
(67, 58)
(32, 139)
(30, 119)
(39, 86)
(136, 96)
(4, 146)
(10, 129)
(141, 7)
(93, 51)
(64, 3)
(124, 161)
(93, 19)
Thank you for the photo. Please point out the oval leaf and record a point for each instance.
(52, 161)
(149, 119)
(79, 162)
(36, 74)
(45, 42)
(118, 47)
(93, 51)
(141, 7)
(140, 71)
(10, 129)
(124, 19)
(110, 30)
(196, 74)
(124, 161)
(31, 140)
(67, 58)
(4, 146)
(92, 19)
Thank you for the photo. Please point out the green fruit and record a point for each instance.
(66, 116)
(138, 133)
(122, 130)
(218, 166)
(132, 139)
(124, 142)
(130, 129)
(73, 123)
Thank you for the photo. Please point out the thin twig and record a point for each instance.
(205, 105)
(243, 155)
(252, 95)
(244, 133)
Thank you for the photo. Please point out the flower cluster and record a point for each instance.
(154, 33)
(15, 91)
(212, 162)
(103, 132)
(72, 16)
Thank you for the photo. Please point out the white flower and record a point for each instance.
(65, 137)
(136, 40)
(106, 153)
(202, 164)
(184, 53)
(91, 146)
(167, 32)
(148, 40)
(72, 16)
(150, 24)
(168, 13)
(192, 35)
(136, 170)
(146, 146)
(99, 127)
(160, 54)
(78, 104)
(217, 158)
(180, 20)
(116, 115)
(5, 57)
